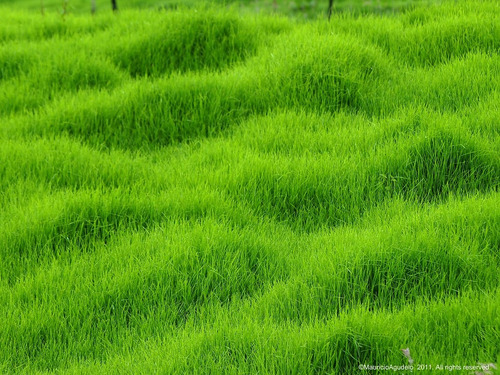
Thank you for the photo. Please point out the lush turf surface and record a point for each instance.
(201, 191)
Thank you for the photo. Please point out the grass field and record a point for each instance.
(208, 190)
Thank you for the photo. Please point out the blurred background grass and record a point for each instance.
(306, 9)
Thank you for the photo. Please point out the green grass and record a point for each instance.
(300, 9)
(207, 190)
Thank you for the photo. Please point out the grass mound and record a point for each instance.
(322, 72)
(181, 42)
